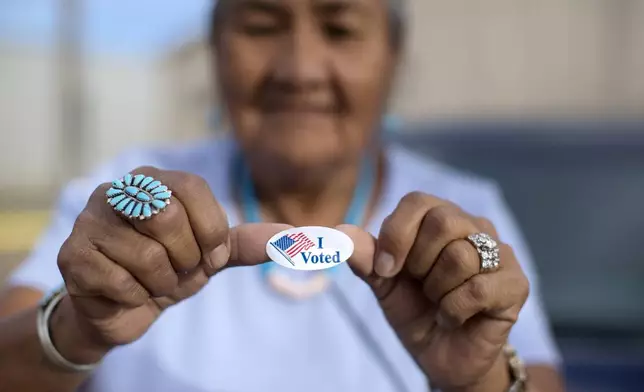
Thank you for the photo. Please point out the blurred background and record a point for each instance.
(546, 97)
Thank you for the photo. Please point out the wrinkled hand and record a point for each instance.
(121, 274)
(452, 319)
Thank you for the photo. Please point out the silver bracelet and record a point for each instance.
(45, 310)
(518, 374)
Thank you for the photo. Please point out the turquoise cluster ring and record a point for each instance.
(138, 196)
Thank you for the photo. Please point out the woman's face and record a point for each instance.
(304, 81)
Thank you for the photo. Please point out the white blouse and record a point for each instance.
(238, 335)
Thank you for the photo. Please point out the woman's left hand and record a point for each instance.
(452, 318)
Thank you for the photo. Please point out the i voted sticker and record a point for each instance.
(310, 248)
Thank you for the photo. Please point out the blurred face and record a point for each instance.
(304, 81)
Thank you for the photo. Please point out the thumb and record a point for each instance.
(400, 297)
(362, 259)
(247, 243)
(364, 248)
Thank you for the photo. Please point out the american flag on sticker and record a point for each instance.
(290, 245)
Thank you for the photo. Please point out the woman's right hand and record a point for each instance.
(121, 274)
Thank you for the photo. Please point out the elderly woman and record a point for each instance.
(184, 300)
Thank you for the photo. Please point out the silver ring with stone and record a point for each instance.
(488, 250)
(138, 196)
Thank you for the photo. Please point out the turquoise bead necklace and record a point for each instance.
(355, 215)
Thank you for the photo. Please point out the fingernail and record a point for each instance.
(219, 257)
(385, 265)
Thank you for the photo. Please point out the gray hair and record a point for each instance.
(396, 15)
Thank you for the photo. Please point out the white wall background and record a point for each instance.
(123, 106)
(525, 58)
(29, 118)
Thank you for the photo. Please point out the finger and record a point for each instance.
(499, 295)
(247, 243)
(417, 333)
(89, 273)
(190, 282)
(171, 227)
(364, 248)
(399, 230)
(207, 217)
(146, 259)
(143, 257)
(361, 261)
(457, 262)
(441, 225)
(391, 292)
(487, 227)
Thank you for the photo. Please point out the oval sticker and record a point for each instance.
(310, 248)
